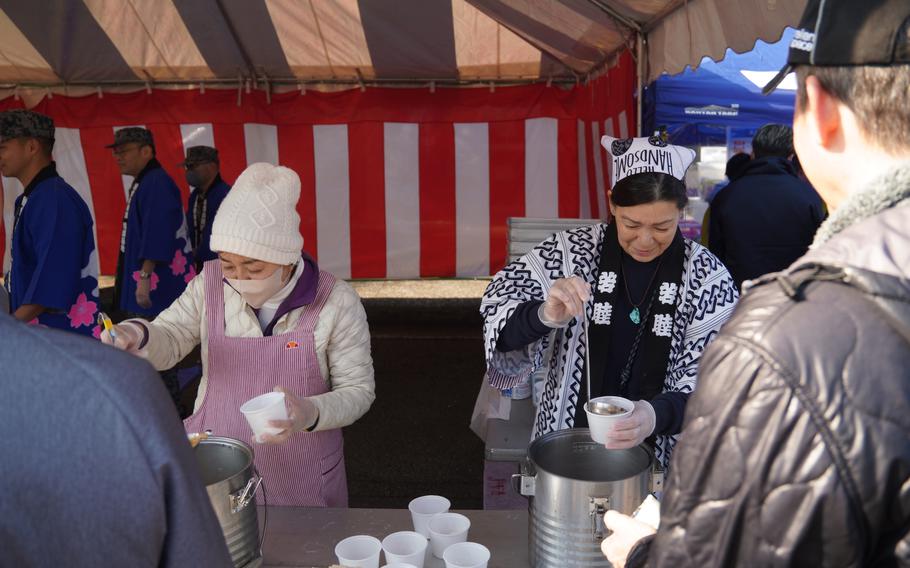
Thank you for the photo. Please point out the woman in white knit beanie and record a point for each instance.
(268, 319)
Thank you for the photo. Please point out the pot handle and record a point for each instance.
(657, 478)
(243, 497)
(524, 484)
(599, 507)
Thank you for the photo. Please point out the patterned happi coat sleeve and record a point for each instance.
(530, 278)
(707, 301)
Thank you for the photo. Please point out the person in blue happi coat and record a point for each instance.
(53, 276)
(155, 261)
(209, 190)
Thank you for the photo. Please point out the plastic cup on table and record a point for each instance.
(399, 565)
(425, 508)
(259, 410)
(360, 551)
(447, 529)
(405, 547)
(601, 424)
(466, 555)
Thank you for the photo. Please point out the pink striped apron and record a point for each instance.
(307, 470)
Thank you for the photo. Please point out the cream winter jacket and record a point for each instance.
(341, 335)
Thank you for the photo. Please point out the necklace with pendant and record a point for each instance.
(635, 314)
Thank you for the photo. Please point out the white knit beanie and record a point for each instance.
(258, 218)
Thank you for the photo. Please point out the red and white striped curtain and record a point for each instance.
(396, 183)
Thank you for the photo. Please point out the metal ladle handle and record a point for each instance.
(587, 338)
(587, 355)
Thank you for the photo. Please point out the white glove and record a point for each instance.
(565, 300)
(128, 336)
(632, 430)
(302, 415)
(626, 532)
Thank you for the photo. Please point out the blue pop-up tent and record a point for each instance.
(699, 106)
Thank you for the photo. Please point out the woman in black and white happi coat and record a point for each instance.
(658, 300)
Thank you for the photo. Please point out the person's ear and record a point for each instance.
(822, 115)
(32, 146)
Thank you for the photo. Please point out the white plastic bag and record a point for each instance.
(490, 403)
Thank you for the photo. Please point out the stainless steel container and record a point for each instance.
(571, 482)
(227, 470)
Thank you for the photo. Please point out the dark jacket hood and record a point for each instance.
(769, 165)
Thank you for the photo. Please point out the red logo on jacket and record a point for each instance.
(292, 345)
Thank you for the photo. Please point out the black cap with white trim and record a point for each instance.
(849, 32)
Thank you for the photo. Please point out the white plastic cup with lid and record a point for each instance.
(406, 547)
(447, 529)
(359, 551)
(466, 555)
(601, 424)
(259, 410)
(425, 508)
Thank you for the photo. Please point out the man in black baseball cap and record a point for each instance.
(795, 449)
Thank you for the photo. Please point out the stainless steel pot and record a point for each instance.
(571, 482)
(231, 480)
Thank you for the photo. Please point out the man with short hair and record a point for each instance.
(209, 190)
(155, 258)
(765, 219)
(53, 277)
(795, 450)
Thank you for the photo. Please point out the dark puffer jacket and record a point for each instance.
(796, 448)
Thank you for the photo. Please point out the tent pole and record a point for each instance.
(639, 47)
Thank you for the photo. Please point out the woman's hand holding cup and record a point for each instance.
(302, 415)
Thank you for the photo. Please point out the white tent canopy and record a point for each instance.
(54, 43)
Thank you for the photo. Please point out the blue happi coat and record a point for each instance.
(54, 259)
(205, 205)
(155, 230)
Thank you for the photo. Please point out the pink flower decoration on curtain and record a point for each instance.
(96, 332)
(82, 312)
(178, 265)
(154, 283)
(190, 274)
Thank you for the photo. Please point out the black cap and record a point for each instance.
(196, 155)
(135, 134)
(849, 32)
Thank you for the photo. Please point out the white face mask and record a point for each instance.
(258, 292)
